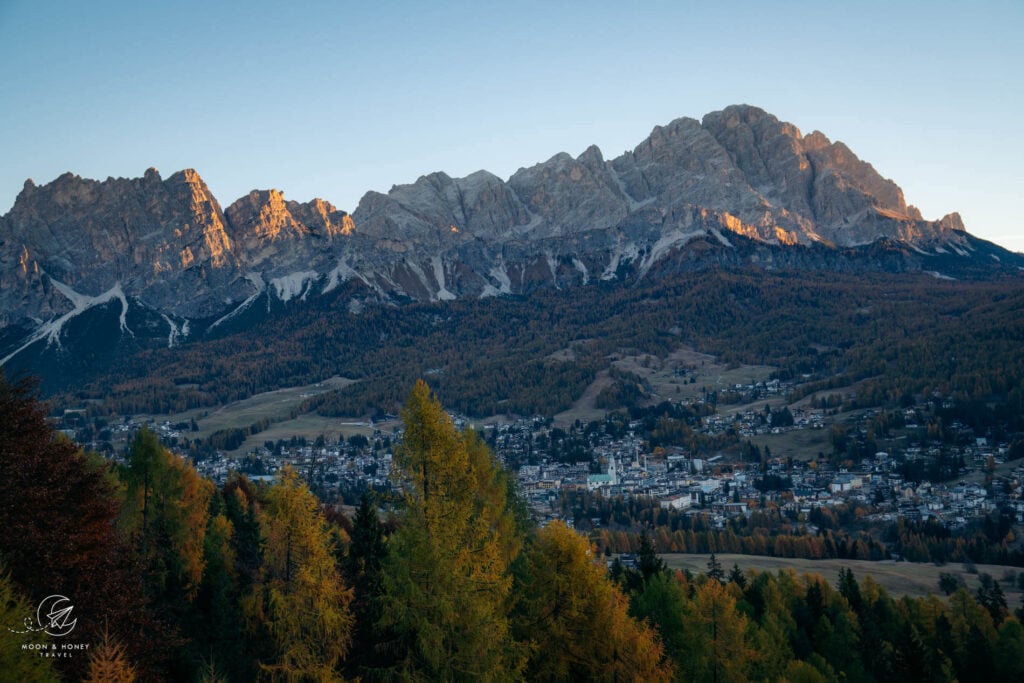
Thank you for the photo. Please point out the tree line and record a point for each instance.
(619, 524)
(174, 578)
(730, 625)
(263, 582)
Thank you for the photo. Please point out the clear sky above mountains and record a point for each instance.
(332, 99)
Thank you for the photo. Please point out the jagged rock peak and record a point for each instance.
(951, 221)
(322, 218)
(263, 213)
(190, 175)
(816, 140)
(674, 127)
(735, 114)
(591, 154)
(571, 196)
(167, 241)
(811, 184)
(437, 209)
(741, 161)
(691, 193)
(279, 237)
(163, 241)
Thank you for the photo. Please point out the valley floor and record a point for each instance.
(913, 579)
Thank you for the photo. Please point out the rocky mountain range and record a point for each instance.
(740, 185)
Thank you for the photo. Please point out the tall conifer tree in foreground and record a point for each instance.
(298, 600)
(166, 511)
(576, 619)
(362, 566)
(446, 581)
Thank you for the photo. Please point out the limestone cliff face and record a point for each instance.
(165, 239)
(272, 236)
(683, 163)
(437, 211)
(810, 187)
(262, 218)
(777, 185)
(566, 195)
(165, 244)
(322, 219)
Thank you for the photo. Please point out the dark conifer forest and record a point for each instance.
(892, 335)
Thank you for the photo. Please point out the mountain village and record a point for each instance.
(719, 486)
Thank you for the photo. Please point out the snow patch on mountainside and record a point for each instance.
(442, 292)
(553, 267)
(51, 330)
(294, 285)
(629, 252)
(342, 273)
(257, 281)
(580, 266)
(721, 238)
(500, 273)
(173, 335)
(664, 245)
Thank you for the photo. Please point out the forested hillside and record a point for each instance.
(176, 579)
(894, 334)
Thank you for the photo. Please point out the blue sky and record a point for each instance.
(332, 99)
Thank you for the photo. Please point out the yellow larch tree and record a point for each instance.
(108, 663)
(298, 599)
(446, 580)
(575, 619)
(166, 509)
(716, 634)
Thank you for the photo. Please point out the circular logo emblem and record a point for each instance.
(54, 615)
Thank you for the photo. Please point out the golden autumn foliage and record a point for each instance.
(716, 636)
(166, 510)
(108, 663)
(450, 588)
(446, 579)
(298, 600)
(575, 619)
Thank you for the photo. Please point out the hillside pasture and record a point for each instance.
(898, 578)
(272, 405)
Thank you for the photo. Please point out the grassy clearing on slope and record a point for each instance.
(269, 405)
(310, 426)
(800, 444)
(669, 379)
(898, 578)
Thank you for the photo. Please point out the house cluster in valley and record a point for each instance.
(615, 458)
